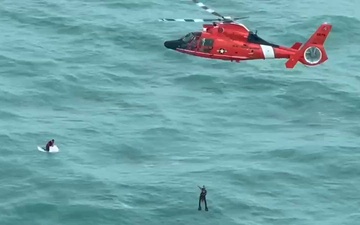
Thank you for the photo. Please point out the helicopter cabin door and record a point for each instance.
(206, 45)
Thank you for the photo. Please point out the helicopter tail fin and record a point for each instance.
(312, 53)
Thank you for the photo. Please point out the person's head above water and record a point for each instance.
(52, 140)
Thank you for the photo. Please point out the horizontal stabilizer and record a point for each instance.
(296, 46)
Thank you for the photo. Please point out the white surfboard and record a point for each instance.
(53, 149)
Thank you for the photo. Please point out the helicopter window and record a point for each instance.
(188, 37)
(207, 42)
(207, 45)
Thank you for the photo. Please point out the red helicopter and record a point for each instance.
(225, 39)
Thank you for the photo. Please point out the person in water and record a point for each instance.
(49, 144)
(202, 197)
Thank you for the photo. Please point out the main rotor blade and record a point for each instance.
(200, 20)
(239, 18)
(189, 20)
(201, 5)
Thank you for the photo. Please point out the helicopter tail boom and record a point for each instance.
(312, 52)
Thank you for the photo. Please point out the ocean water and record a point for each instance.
(140, 126)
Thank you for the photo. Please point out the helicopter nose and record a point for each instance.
(172, 44)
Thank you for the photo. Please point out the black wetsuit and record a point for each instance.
(47, 148)
(202, 198)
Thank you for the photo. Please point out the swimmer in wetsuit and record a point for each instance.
(202, 197)
(49, 144)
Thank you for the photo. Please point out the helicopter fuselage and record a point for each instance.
(228, 41)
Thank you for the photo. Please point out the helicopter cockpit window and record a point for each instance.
(191, 36)
(188, 37)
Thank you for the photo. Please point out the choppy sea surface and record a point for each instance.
(139, 127)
